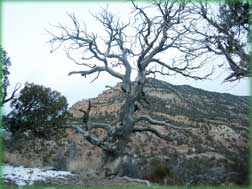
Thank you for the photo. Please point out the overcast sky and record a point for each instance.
(25, 40)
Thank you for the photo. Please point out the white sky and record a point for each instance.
(25, 40)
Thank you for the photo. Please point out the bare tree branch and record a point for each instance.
(86, 134)
(144, 47)
(98, 69)
(89, 126)
(17, 87)
(159, 123)
(226, 34)
(153, 131)
(185, 71)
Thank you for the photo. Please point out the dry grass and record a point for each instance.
(14, 158)
(83, 166)
(76, 166)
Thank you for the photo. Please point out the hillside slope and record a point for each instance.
(216, 146)
(212, 152)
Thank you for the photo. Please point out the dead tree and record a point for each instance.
(145, 46)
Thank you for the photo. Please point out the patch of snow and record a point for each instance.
(26, 176)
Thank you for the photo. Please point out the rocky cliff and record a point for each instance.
(214, 152)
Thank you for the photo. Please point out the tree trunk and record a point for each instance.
(123, 165)
(125, 119)
(125, 123)
(120, 161)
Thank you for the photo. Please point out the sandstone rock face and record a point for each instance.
(218, 137)
(106, 103)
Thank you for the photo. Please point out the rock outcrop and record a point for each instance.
(213, 153)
